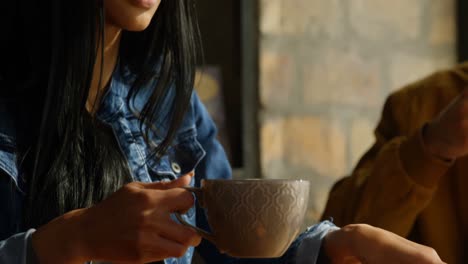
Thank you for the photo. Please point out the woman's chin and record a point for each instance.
(139, 23)
(137, 26)
(129, 17)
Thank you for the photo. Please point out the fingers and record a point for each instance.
(178, 233)
(164, 248)
(177, 200)
(375, 245)
(410, 252)
(416, 252)
(177, 183)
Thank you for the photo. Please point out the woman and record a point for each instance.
(100, 126)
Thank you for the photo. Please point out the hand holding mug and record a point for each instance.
(133, 225)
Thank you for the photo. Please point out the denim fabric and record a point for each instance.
(17, 249)
(194, 148)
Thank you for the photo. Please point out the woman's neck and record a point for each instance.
(112, 35)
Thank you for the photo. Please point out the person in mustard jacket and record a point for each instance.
(414, 180)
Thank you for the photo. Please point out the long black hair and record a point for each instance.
(67, 157)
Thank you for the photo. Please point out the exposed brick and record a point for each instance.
(277, 77)
(384, 19)
(302, 142)
(406, 68)
(270, 16)
(312, 17)
(361, 138)
(318, 199)
(335, 76)
(295, 17)
(271, 146)
(442, 22)
(315, 143)
(391, 43)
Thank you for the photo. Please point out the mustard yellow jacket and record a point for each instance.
(397, 185)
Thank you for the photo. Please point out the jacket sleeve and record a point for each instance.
(393, 182)
(18, 249)
(15, 248)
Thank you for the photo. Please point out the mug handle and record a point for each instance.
(199, 195)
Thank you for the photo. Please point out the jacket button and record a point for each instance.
(176, 167)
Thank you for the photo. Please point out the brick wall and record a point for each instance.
(326, 67)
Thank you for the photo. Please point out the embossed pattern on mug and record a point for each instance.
(253, 214)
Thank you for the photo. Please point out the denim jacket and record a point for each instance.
(195, 148)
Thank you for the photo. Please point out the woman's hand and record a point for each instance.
(366, 244)
(131, 226)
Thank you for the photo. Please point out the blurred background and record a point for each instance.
(297, 86)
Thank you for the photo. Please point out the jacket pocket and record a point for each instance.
(181, 158)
